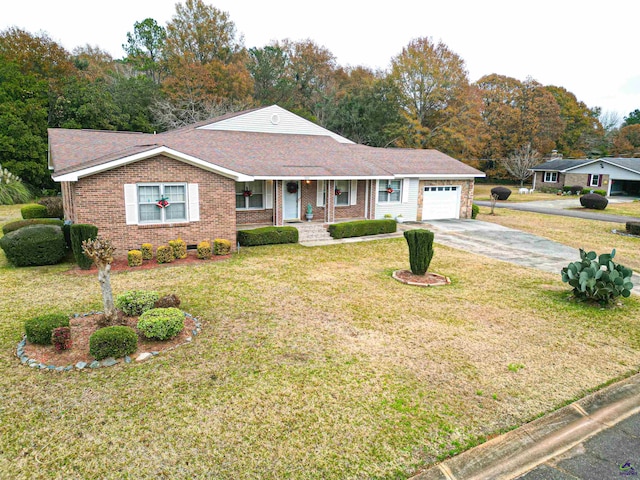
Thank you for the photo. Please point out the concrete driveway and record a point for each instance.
(507, 244)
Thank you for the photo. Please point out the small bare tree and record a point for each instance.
(494, 199)
(100, 250)
(521, 161)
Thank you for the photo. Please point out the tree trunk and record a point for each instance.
(104, 278)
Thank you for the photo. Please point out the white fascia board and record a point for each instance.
(603, 160)
(446, 176)
(322, 177)
(578, 166)
(225, 172)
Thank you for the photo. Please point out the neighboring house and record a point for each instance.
(617, 176)
(258, 167)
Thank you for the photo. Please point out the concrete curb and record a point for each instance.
(519, 451)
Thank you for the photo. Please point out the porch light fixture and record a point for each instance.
(308, 182)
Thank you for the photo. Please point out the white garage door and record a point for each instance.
(440, 202)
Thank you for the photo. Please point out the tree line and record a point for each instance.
(197, 67)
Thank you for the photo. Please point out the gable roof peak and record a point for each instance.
(271, 119)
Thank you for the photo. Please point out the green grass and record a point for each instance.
(631, 209)
(483, 192)
(312, 363)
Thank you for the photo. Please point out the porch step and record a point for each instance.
(312, 232)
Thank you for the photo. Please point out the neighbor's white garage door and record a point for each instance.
(440, 202)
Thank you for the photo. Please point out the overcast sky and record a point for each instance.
(588, 47)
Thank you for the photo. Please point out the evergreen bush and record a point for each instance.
(204, 250)
(221, 246)
(116, 341)
(34, 245)
(360, 228)
(164, 254)
(633, 228)
(134, 258)
(13, 226)
(594, 201)
(33, 210)
(268, 236)
(79, 233)
(475, 210)
(136, 302)
(147, 251)
(179, 248)
(420, 243)
(161, 323)
(39, 329)
(502, 192)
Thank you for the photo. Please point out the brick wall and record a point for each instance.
(353, 211)
(248, 217)
(540, 183)
(99, 200)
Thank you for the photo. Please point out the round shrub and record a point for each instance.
(161, 323)
(475, 210)
(33, 211)
(501, 192)
(136, 302)
(594, 201)
(39, 329)
(34, 245)
(147, 251)
(17, 225)
(53, 206)
(114, 342)
(575, 189)
(167, 301)
(134, 258)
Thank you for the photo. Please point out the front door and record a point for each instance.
(291, 206)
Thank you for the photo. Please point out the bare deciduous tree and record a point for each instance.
(101, 252)
(521, 161)
(180, 113)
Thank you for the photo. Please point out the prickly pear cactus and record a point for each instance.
(598, 278)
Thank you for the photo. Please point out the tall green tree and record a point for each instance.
(632, 119)
(268, 68)
(23, 124)
(145, 48)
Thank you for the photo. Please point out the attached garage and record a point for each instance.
(440, 202)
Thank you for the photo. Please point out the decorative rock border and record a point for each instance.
(107, 362)
(624, 233)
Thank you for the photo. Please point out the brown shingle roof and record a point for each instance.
(254, 154)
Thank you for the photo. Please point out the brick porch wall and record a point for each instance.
(353, 211)
(99, 200)
(466, 194)
(248, 217)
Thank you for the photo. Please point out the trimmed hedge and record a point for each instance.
(204, 250)
(79, 233)
(164, 254)
(221, 246)
(161, 323)
(33, 210)
(39, 329)
(594, 201)
(116, 341)
(147, 251)
(360, 228)
(502, 192)
(475, 210)
(633, 228)
(34, 245)
(136, 302)
(17, 225)
(134, 258)
(268, 236)
(179, 248)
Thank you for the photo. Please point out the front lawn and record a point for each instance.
(482, 191)
(312, 363)
(575, 232)
(631, 209)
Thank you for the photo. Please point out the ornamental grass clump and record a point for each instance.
(136, 302)
(12, 190)
(598, 278)
(161, 323)
(116, 341)
(420, 243)
(39, 329)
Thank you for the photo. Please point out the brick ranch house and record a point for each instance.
(258, 167)
(617, 176)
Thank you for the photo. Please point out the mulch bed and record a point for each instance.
(121, 265)
(81, 330)
(426, 280)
